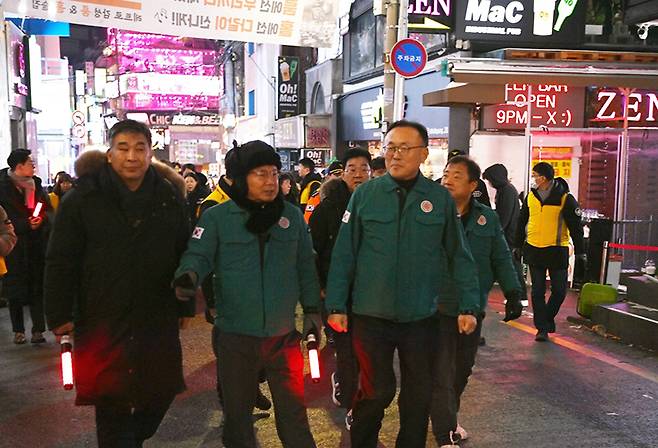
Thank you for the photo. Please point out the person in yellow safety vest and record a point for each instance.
(550, 215)
(310, 181)
(335, 171)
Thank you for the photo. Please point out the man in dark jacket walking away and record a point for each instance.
(552, 216)
(325, 223)
(113, 252)
(260, 251)
(508, 209)
(20, 194)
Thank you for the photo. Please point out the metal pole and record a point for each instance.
(604, 262)
(403, 32)
(392, 15)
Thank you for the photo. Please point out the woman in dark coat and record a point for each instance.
(195, 193)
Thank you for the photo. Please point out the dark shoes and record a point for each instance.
(19, 338)
(262, 402)
(542, 336)
(37, 338)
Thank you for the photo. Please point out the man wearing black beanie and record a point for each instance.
(552, 216)
(260, 251)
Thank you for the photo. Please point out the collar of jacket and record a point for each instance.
(422, 185)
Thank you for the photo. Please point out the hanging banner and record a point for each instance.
(288, 87)
(306, 23)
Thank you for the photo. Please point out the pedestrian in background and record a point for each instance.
(378, 167)
(7, 242)
(508, 209)
(456, 351)
(289, 188)
(63, 183)
(196, 193)
(259, 249)
(325, 224)
(552, 216)
(335, 171)
(20, 194)
(116, 243)
(400, 232)
(310, 181)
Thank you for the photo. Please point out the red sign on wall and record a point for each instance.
(554, 106)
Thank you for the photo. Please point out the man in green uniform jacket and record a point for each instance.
(261, 253)
(399, 233)
(455, 355)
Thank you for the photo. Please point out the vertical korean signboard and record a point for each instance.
(288, 87)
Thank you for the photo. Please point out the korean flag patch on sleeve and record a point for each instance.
(346, 217)
(198, 231)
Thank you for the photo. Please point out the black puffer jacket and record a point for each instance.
(23, 282)
(109, 268)
(325, 223)
(507, 200)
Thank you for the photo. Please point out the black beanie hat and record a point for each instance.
(544, 169)
(455, 153)
(231, 161)
(252, 155)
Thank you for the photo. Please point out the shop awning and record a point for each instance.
(462, 93)
(489, 78)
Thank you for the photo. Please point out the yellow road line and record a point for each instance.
(599, 356)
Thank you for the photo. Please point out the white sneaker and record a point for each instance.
(349, 420)
(454, 439)
(462, 432)
(335, 390)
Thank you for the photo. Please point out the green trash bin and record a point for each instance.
(593, 294)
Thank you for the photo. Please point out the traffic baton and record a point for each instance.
(37, 210)
(313, 359)
(67, 362)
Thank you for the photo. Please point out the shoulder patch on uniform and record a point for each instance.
(578, 212)
(482, 220)
(198, 231)
(346, 216)
(426, 206)
(477, 194)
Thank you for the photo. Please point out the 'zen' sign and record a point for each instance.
(608, 107)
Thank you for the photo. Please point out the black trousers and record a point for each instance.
(242, 358)
(375, 341)
(347, 366)
(36, 314)
(544, 312)
(121, 426)
(453, 364)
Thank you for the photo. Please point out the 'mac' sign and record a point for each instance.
(641, 107)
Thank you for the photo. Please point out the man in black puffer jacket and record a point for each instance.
(325, 223)
(507, 200)
(116, 243)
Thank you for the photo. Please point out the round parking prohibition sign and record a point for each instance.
(408, 57)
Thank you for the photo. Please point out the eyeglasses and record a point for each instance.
(402, 149)
(265, 174)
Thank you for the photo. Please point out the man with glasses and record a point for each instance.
(400, 233)
(324, 224)
(260, 251)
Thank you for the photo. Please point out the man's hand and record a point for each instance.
(338, 322)
(62, 330)
(35, 223)
(184, 322)
(466, 323)
(513, 306)
(312, 324)
(185, 286)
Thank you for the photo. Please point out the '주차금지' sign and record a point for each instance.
(307, 23)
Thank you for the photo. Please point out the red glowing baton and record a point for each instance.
(37, 210)
(313, 360)
(67, 362)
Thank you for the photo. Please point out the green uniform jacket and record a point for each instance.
(252, 299)
(486, 240)
(395, 259)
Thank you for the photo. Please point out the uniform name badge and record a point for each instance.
(284, 223)
(346, 217)
(482, 220)
(426, 206)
